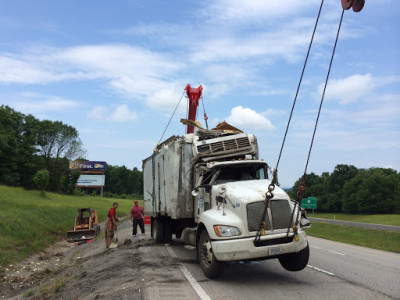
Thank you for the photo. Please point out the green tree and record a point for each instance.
(121, 180)
(28, 162)
(41, 180)
(328, 188)
(124, 186)
(314, 186)
(58, 143)
(28, 145)
(69, 181)
(375, 190)
(335, 184)
(10, 128)
(136, 181)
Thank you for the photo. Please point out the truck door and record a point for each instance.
(161, 185)
(202, 202)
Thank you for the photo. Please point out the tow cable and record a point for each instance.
(357, 5)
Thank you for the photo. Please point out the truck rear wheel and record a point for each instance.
(157, 231)
(208, 262)
(295, 261)
(167, 231)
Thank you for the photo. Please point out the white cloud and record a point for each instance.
(16, 70)
(271, 113)
(383, 110)
(348, 89)
(358, 86)
(35, 103)
(98, 113)
(251, 11)
(123, 114)
(167, 99)
(120, 114)
(248, 119)
(130, 71)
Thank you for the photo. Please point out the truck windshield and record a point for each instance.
(241, 172)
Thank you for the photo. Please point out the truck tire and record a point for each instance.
(158, 231)
(167, 231)
(208, 262)
(178, 234)
(295, 261)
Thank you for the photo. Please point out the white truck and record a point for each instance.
(209, 189)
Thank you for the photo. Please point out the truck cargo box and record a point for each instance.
(167, 178)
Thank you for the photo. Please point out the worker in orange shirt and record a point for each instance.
(111, 224)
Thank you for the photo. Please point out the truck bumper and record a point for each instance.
(244, 249)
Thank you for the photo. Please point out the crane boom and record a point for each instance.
(194, 95)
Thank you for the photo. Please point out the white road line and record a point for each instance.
(316, 247)
(337, 253)
(320, 270)
(196, 286)
(328, 250)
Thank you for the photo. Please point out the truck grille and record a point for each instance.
(221, 146)
(280, 211)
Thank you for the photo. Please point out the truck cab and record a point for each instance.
(231, 204)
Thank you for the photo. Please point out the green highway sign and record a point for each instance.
(309, 203)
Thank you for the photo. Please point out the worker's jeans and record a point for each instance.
(135, 224)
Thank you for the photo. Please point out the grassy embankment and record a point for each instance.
(30, 223)
(376, 239)
(375, 219)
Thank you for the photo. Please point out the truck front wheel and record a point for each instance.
(295, 261)
(157, 231)
(208, 262)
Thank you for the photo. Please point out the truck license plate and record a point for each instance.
(275, 250)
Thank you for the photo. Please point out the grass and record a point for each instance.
(29, 223)
(29, 293)
(376, 239)
(375, 219)
(49, 291)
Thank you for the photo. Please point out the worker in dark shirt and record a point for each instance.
(111, 224)
(137, 218)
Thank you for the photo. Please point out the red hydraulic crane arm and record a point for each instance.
(194, 95)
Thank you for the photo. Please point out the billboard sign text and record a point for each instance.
(90, 181)
(86, 165)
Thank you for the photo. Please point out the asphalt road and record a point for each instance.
(335, 271)
(357, 224)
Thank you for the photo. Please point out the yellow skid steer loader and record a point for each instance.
(85, 227)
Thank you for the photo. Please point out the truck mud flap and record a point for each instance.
(80, 235)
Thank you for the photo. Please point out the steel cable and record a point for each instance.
(298, 87)
(171, 118)
(302, 183)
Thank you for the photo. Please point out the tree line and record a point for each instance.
(35, 153)
(28, 145)
(355, 191)
(123, 182)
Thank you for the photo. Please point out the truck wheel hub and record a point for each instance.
(207, 252)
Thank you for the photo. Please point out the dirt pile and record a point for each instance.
(90, 271)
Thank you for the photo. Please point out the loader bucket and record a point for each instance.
(80, 235)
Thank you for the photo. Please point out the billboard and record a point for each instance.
(91, 180)
(86, 165)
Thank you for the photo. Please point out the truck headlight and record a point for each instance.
(223, 231)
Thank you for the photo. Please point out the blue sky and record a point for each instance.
(115, 70)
